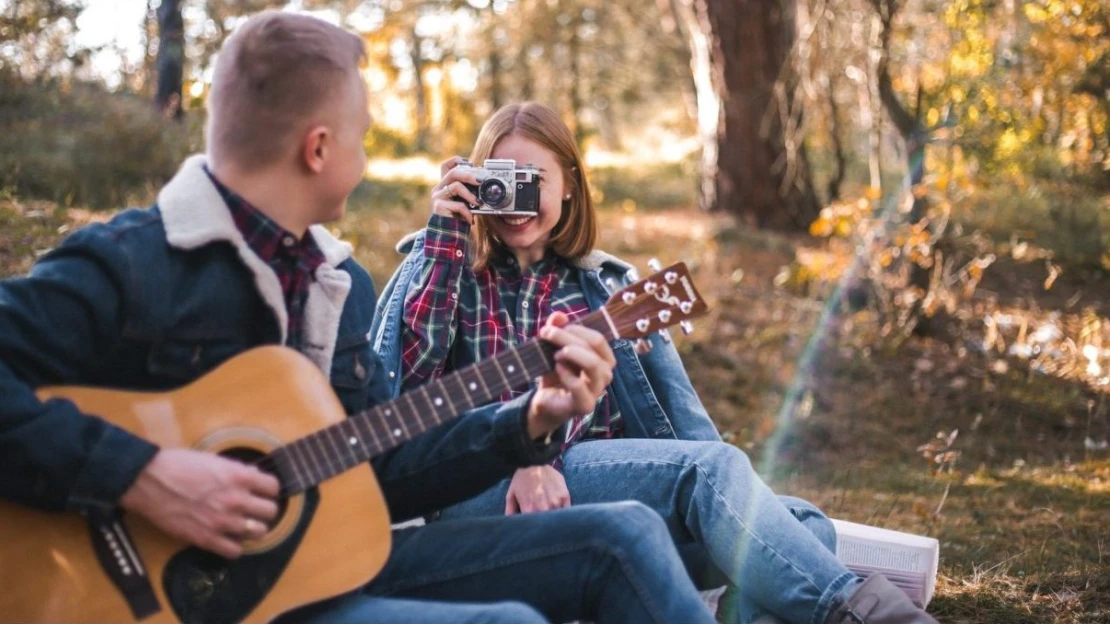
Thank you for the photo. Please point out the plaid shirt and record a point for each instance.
(294, 261)
(496, 309)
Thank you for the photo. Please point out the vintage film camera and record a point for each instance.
(504, 188)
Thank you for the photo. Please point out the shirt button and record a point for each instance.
(458, 253)
(524, 304)
(392, 374)
(288, 241)
(454, 295)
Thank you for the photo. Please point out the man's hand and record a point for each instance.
(204, 499)
(583, 369)
(536, 488)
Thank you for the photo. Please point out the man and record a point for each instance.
(231, 258)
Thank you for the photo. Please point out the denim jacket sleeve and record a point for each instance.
(671, 384)
(55, 326)
(668, 384)
(460, 459)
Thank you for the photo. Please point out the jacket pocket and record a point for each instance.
(184, 359)
(353, 366)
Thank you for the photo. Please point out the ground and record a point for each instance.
(833, 410)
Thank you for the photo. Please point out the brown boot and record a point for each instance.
(878, 601)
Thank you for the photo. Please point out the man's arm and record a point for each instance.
(55, 325)
(59, 326)
(460, 459)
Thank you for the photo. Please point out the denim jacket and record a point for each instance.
(653, 391)
(155, 298)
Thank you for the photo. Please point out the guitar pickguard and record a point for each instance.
(202, 587)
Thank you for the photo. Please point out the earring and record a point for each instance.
(566, 197)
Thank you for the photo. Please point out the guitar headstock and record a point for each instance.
(666, 297)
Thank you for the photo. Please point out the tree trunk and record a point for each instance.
(835, 133)
(171, 59)
(574, 48)
(421, 143)
(763, 174)
(496, 89)
(695, 28)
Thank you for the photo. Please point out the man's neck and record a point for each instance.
(271, 192)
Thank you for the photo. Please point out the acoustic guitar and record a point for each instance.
(270, 406)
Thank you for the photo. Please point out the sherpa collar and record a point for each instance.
(195, 215)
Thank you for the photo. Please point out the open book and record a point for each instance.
(907, 560)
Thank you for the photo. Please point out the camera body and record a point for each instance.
(504, 188)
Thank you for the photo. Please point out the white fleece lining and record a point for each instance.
(195, 215)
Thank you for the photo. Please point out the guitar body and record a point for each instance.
(330, 539)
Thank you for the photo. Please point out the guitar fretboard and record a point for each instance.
(307, 461)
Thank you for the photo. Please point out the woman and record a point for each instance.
(474, 286)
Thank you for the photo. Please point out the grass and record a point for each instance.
(1021, 512)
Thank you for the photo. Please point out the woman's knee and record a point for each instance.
(630, 524)
(724, 458)
(813, 519)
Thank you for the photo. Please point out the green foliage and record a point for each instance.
(78, 144)
(663, 185)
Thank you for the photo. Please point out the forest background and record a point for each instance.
(899, 210)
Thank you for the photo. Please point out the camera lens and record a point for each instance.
(492, 192)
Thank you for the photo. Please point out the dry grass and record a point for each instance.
(1021, 511)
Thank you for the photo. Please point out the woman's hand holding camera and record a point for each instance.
(450, 196)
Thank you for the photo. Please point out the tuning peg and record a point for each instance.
(665, 316)
(665, 335)
(685, 306)
(641, 346)
(671, 277)
(654, 265)
(611, 284)
(650, 287)
(643, 325)
(628, 298)
(687, 327)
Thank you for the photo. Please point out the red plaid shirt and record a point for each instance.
(294, 261)
(457, 317)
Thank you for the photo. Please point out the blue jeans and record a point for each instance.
(606, 563)
(713, 503)
(366, 609)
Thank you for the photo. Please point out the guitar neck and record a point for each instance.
(319, 456)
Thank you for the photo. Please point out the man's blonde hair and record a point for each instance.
(576, 232)
(271, 75)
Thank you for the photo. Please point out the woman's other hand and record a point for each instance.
(536, 488)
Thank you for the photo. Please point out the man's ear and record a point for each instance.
(317, 143)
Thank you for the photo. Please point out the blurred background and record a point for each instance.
(899, 210)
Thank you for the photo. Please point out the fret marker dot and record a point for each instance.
(438, 401)
(397, 432)
(353, 441)
(511, 368)
(473, 386)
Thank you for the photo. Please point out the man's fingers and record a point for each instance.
(598, 373)
(222, 546)
(263, 509)
(595, 340)
(257, 481)
(511, 504)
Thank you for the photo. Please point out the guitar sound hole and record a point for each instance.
(254, 457)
